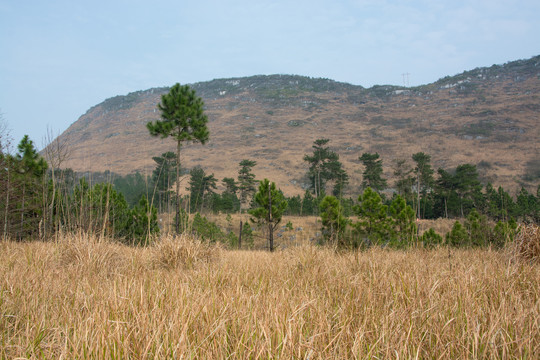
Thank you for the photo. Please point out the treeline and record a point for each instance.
(38, 201)
(395, 225)
(446, 193)
(385, 217)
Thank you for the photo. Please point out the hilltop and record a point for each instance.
(486, 116)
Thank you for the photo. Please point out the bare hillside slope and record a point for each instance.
(486, 116)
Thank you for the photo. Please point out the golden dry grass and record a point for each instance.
(527, 242)
(85, 298)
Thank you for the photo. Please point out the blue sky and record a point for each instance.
(60, 57)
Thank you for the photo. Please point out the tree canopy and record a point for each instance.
(246, 179)
(324, 166)
(372, 175)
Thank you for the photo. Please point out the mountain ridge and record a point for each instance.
(486, 115)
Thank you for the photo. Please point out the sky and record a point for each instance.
(58, 58)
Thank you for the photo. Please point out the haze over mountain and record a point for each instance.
(487, 116)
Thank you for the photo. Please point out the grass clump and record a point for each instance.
(527, 243)
(182, 252)
(89, 253)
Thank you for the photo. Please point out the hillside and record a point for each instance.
(486, 116)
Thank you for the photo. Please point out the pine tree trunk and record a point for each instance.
(178, 187)
(270, 228)
(240, 236)
(22, 212)
(418, 193)
(318, 187)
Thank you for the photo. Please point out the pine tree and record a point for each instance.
(468, 188)
(372, 175)
(30, 169)
(308, 204)
(458, 236)
(143, 222)
(183, 119)
(324, 166)
(231, 186)
(31, 161)
(229, 201)
(333, 221)
(373, 225)
(200, 186)
(404, 180)
(271, 205)
(478, 228)
(341, 180)
(246, 180)
(445, 191)
(404, 221)
(430, 238)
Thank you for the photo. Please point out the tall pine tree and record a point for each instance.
(183, 119)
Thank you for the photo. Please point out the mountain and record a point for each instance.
(487, 116)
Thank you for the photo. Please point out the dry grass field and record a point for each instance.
(80, 298)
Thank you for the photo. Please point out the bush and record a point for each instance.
(503, 233)
(431, 239)
(208, 230)
(289, 226)
(478, 228)
(247, 236)
(458, 236)
(333, 221)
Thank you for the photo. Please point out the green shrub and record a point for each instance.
(208, 231)
(247, 236)
(289, 226)
(458, 236)
(503, 233)
(431, 239)
(478, 228)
